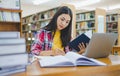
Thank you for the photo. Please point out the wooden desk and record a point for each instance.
(116, 49)
(110, 70)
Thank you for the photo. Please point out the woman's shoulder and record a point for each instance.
(42, 30)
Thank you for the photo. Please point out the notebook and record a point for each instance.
(100, 45)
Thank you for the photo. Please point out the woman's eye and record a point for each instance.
(62, 19)
(67, 22)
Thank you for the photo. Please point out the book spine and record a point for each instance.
(11, 68)
(12, 72)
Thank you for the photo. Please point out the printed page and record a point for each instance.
(73, 56)
(55, 61)
(88, 33)
(89, 61)
(78, 59)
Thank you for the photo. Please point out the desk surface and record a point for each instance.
(112, 69)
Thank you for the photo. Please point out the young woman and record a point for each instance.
(53, 38)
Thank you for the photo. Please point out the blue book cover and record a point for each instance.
(81, 38)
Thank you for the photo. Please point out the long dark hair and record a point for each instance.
(65, 33)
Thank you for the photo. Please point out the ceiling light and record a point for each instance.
(113, 7)
(84, 3)
(37, 2)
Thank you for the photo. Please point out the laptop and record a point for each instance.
(100, 45)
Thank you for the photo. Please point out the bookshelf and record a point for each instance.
(91, 20)
(10, 17)
(113, 23)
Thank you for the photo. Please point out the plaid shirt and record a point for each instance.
(43, 42)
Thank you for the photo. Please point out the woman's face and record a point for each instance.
(62, 21)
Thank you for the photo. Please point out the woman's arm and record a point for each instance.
(36, 47)
(81, 47)
(47, 53)
(52, 52)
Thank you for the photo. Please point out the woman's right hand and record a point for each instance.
(59, 52)
(52, 53)
(47, 53)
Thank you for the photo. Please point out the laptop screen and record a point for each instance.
(100, 45)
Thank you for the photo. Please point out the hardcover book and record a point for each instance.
(83, 38)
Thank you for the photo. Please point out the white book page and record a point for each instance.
(55, 61)
(78, 59)
(88, 33)
(41, 57)
(73, 56)
(89, 61)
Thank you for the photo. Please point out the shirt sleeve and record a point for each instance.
(36, 47)
(67, 48)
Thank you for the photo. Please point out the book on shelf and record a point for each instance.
(7, 16)
(70, 59)
(82, 38)
(1, 18)
(15, 17)
(6, 35)
(13, 60)
(10, 4)
(10, 16)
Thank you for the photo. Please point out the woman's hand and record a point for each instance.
(52, 53)
(82, 48)
(47, 53)
(59, 52)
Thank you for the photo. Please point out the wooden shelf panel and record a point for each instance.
(10, 10)
(9, 26)
(9, 22)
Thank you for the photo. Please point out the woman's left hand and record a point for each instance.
(82, 48)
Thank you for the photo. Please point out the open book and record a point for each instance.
(70, 59)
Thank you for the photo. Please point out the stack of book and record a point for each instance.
(13, 56)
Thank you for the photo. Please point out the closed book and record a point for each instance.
(13, 72)
(4, 35)
(13, 59)
(12, 49)
(12, 41)
(11, 68)
(80, 39)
